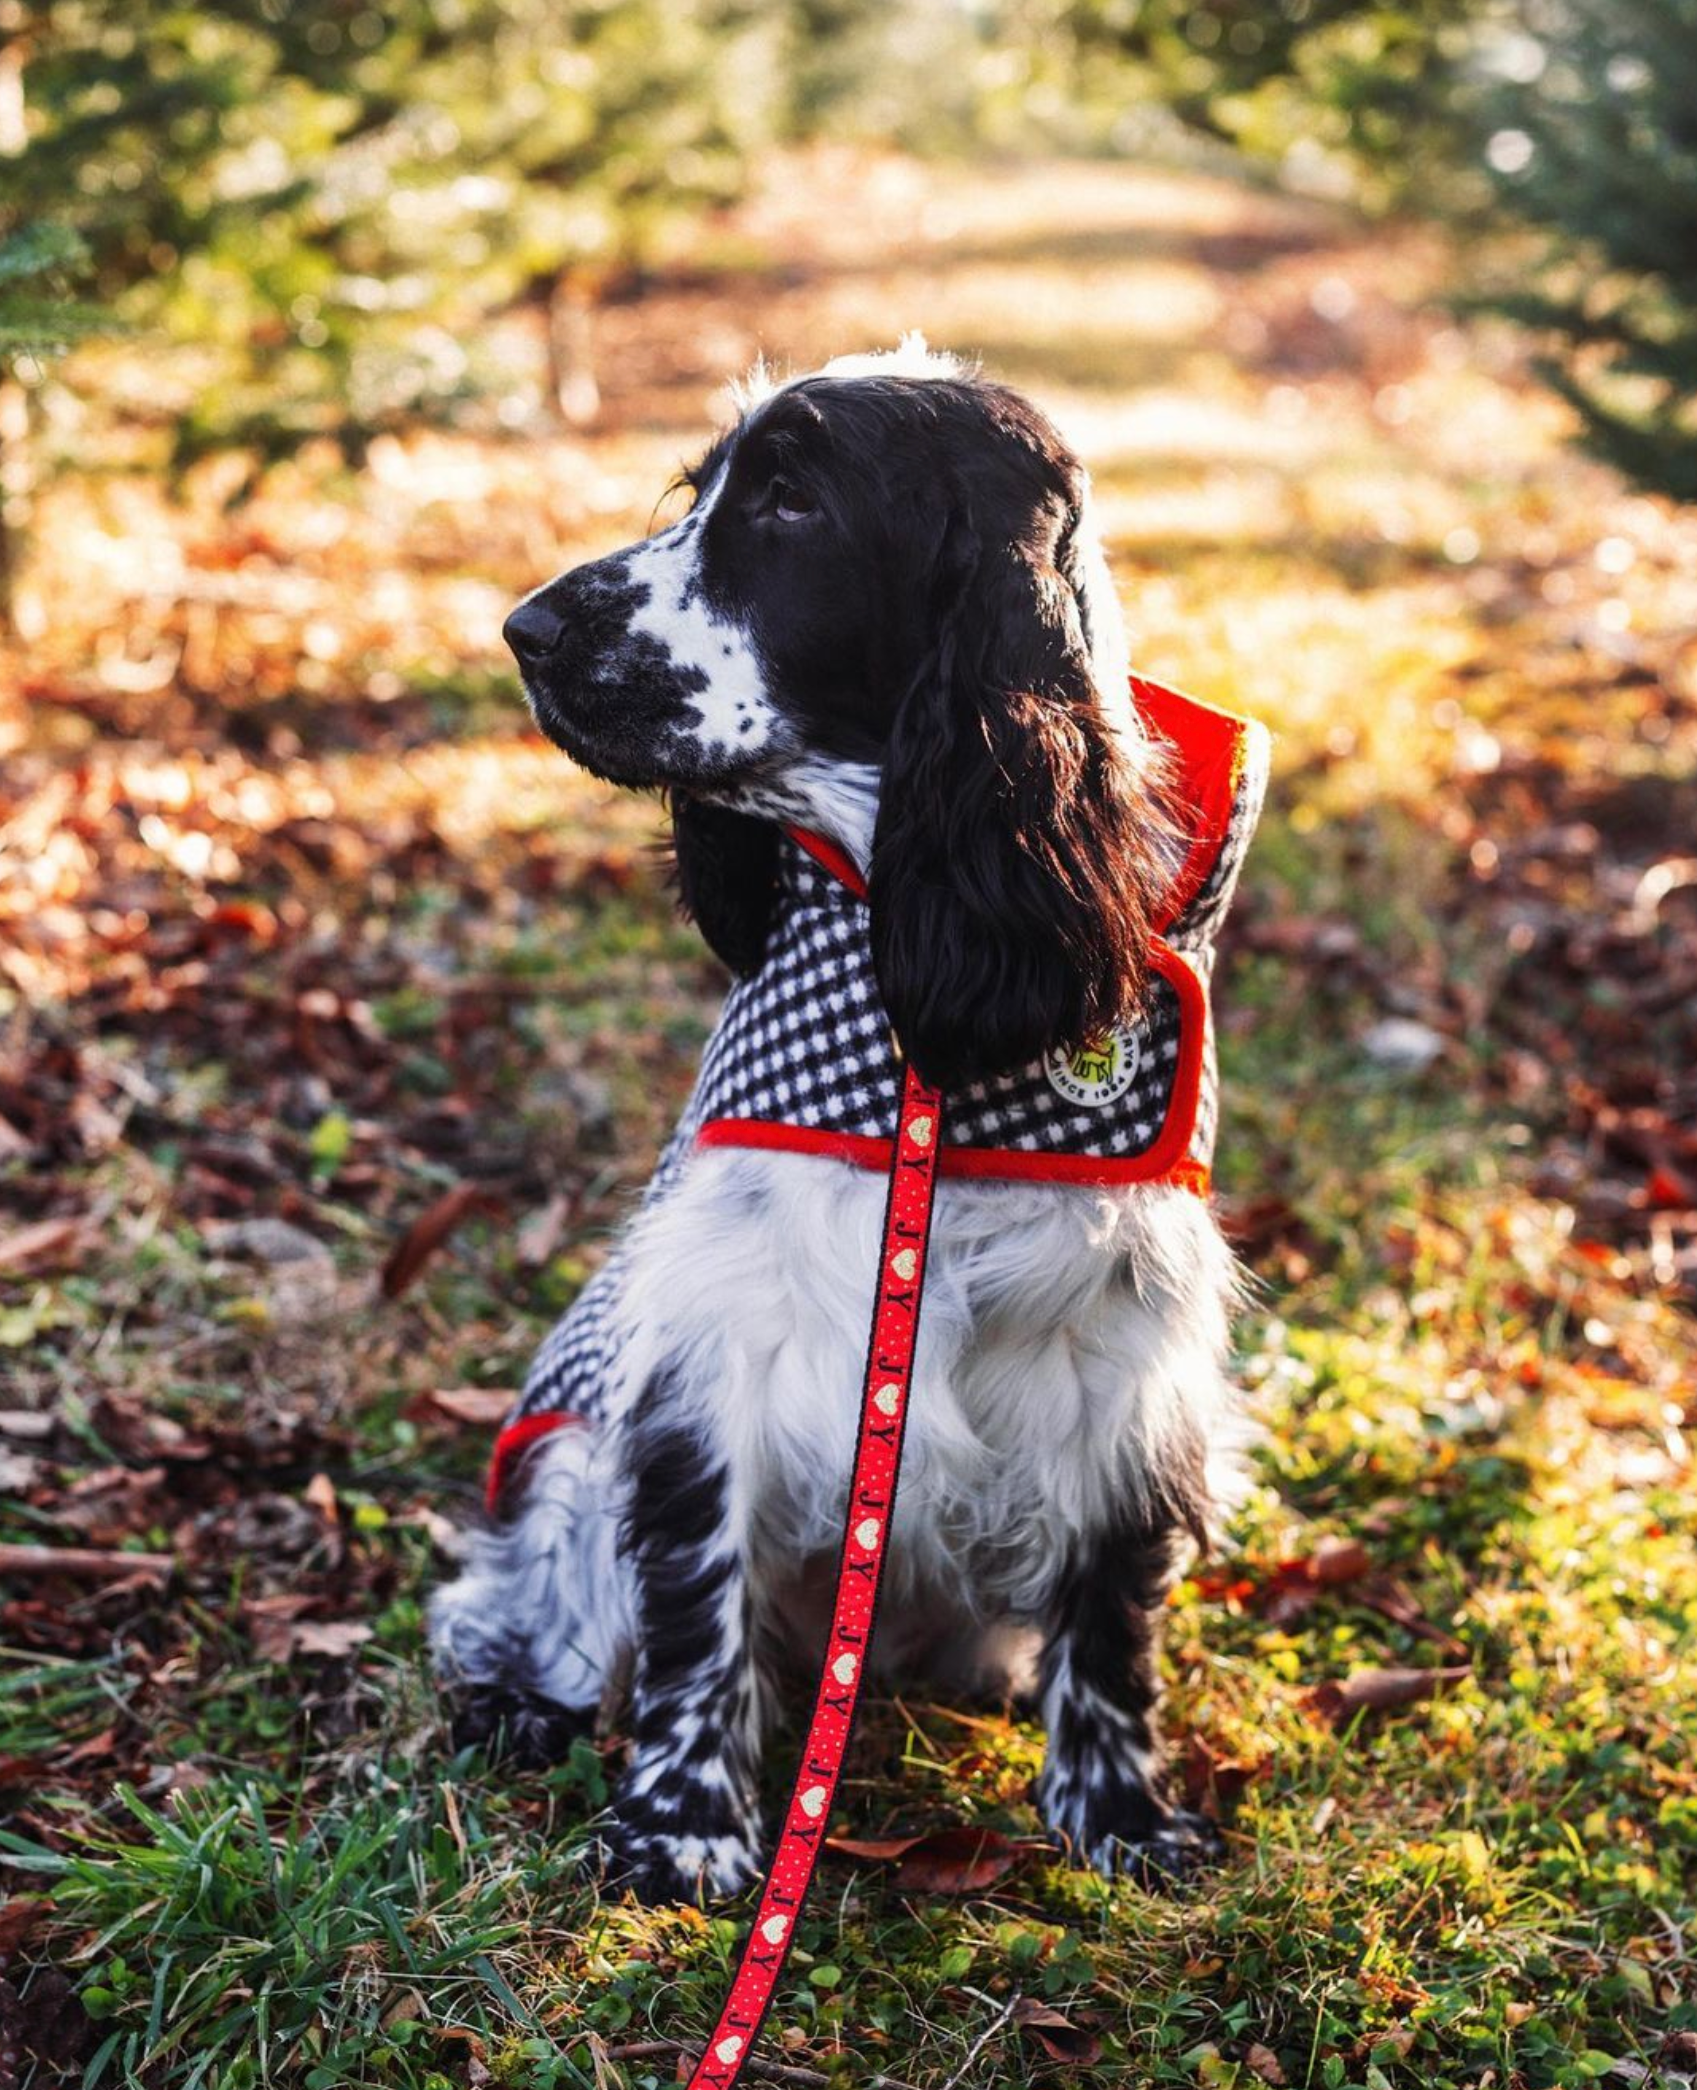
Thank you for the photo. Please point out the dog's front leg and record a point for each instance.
(1102, 1789)
(685, 1817)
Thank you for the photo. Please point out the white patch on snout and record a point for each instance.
(736, 717)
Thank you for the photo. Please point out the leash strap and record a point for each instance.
(866, 1529)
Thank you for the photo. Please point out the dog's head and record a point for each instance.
(887, 617)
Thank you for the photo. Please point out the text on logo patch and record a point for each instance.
(1098, 1073)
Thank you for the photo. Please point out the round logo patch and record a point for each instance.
(1098, 1073)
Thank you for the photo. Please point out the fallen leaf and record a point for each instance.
(480, 1405)
(443, 1534)
(25, 1422)
(280, 1633)
(1296, 1585)
(18, 1473)
(1380, 1690)
(543, 1232)
(101, 1744)
(1262, 2061)
(1338, 1560)
(1210, 1775)
(1390, 1600)
(18, 1918)
(1058, 2036)
(1669, 1189)
(1398, 1042)
(46, 1244)
(320, 1492)
(428, 1232)
(944, 1861)
(268, 1241)
(330, 1636)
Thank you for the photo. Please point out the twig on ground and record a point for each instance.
(989, 2032)
(87, 1561)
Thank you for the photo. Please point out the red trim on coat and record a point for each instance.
(1168, 1159)
(1210, 745)
(515, 1438)
(830, 857)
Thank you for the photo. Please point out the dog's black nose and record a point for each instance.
(532, 632)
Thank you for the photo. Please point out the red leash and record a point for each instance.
(866, 1528)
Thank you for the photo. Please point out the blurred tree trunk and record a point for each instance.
(572, 387)
(16, 478)
(14, 408)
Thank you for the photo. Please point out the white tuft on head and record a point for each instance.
(911, 357)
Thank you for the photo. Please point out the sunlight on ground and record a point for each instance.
(302, 927)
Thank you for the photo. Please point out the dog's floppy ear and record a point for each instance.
(726, 877)
(1014, 866)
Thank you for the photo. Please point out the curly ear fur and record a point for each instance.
(726, 878)
(1015, 865)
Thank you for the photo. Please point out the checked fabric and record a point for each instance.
(802, 1059)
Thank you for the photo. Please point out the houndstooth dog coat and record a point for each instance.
(802, 1058)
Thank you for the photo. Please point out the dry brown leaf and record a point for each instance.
(45, 1244)
(1296, 1584)
(280, 1633)
(329, 1636)
(101, 1744)
(1380, 1690)
(1210, 1775)
(1058, 2036)
(428, 1232)
(479, 1405)
(26, 1422)
(943, 1861)
(1262, 2061)
(18, 1918)
(320, 1494)
(273, 1242)
(543, 1232)
(1390, 1600)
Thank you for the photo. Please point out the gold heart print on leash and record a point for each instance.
(904, 1263)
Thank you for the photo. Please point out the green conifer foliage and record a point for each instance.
(1593, 142)
(324, 199)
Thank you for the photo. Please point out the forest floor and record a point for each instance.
(340, 1019)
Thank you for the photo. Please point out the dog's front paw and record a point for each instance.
(680, 1842)
(520, 1727)
(1106, 1816)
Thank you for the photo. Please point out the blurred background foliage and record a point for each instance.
(320, 203)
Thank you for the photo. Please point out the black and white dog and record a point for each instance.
(880, 671)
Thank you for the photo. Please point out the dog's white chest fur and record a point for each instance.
(1070, 1351)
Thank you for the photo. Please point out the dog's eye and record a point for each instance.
(791, 503)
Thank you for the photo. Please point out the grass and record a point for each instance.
(252, 1863)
